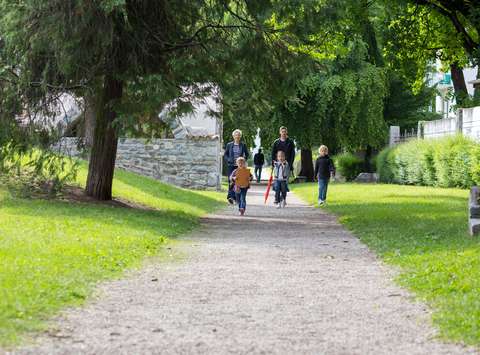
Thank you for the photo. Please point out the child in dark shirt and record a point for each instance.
(324, 169)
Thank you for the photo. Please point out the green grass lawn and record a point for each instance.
(422, 230)
(52, 252)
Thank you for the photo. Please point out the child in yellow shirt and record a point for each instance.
(241, 178)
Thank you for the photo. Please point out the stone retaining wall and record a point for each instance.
(191, 162)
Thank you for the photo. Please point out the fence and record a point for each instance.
(466, 122)
(471, 122)
(439, 128)
(397, 137)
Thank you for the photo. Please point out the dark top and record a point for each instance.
(287, 146)
(258, 159)
(229, 155)
(324, 167)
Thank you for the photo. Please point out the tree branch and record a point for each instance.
(469, 44)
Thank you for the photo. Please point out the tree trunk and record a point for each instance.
(367, 165)
(459, 85)
(476, 93)
(104, 148)
(90, 113)
(306, 164)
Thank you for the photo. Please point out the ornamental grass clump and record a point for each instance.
(28, 172)
(348, 165)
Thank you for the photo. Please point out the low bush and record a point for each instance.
(447, 162)
(348, 165)
(475, 163)
(386, 165)
(30, 171)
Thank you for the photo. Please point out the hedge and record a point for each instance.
(452, 161)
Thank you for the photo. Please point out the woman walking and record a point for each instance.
(233, 151)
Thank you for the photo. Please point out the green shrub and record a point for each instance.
(475, 164)
(447, 162)
(462, 150)
(30, 171)
(408, 164)
(429, 172)
(348, 165)
(386, 165)
(442, 159)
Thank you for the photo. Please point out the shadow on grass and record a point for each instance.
(414, 225)
(162, 191)
(436, 199)
(54, 252)
(168, 223)
(401, 220)
(423, 230)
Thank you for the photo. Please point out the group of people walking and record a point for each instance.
(283, 155)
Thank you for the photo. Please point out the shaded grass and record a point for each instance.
(53, 252)
(423, 230)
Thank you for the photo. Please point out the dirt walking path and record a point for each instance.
(288, 281)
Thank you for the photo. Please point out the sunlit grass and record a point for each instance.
(422, 230)
(53, 252)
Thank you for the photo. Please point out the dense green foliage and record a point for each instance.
(422, 230)
(32, 171)
(131, 58)
(354, 89)
(348, 165)
(344, 91)
(316, 66)
(423, 31)
(446, 162)
(359, 86)
(53, 251)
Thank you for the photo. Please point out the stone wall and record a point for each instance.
(191, 162)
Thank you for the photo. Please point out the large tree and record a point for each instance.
(421, 32)
(100, 49)
(330, 101)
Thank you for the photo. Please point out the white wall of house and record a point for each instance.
(203, 117)
(444, 104)
(466, 122)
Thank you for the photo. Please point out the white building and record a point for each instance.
(444, 100)
(204, 120)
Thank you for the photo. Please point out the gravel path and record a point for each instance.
(289, 281)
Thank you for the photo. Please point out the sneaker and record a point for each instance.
(279, 205)
(230, 200)
(242, 211)
(321, 202)
(284, 203)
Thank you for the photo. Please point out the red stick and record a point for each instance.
(269, 185)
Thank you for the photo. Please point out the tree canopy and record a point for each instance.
(333, 71)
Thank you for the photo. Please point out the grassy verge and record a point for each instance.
(52, 252)
(422, 230)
